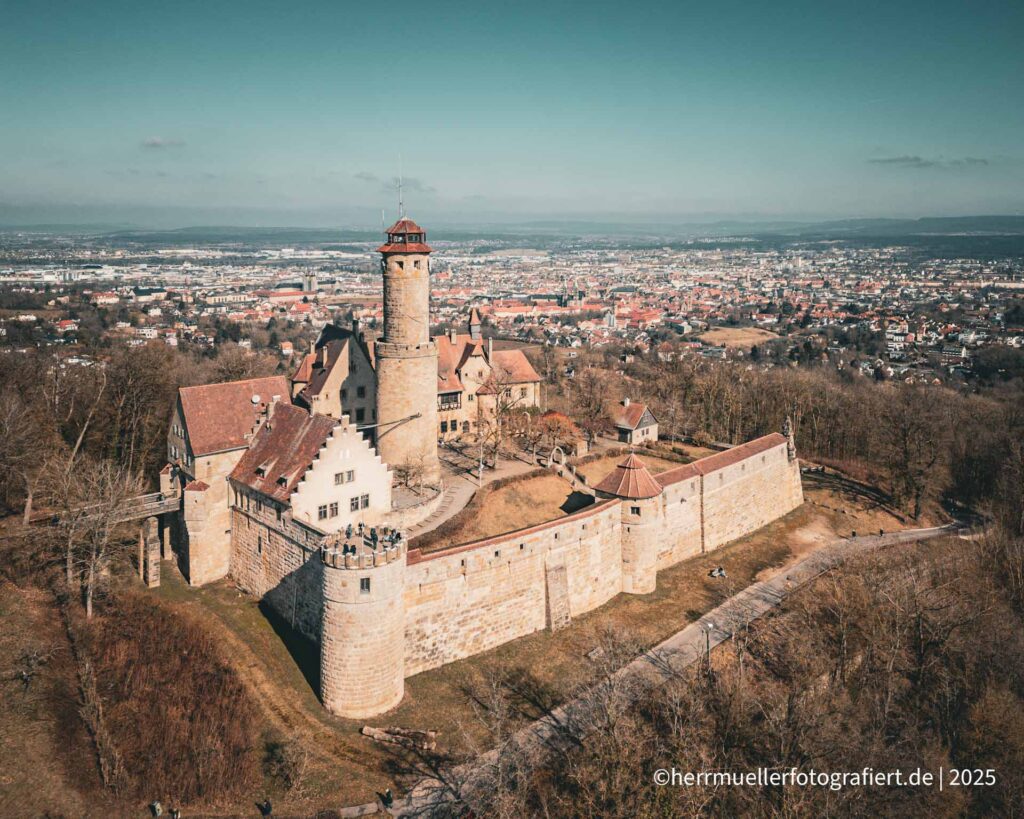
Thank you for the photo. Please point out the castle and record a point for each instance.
(288, 488)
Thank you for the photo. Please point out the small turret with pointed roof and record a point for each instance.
(631, 480)
(474, 324)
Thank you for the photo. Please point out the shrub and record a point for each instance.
(183, 724)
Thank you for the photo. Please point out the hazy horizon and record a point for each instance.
(251, 114)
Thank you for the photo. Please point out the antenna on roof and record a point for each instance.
(401, 205)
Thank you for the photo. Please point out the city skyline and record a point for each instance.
(240, 114)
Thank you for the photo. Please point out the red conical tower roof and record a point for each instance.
(630, 479)
(405, 236)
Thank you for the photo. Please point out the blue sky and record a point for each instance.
(297, 113)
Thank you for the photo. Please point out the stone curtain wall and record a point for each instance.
(741, 498)
(279, 562)
(475, 597)
(682, 525)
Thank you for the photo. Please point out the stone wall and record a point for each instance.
(362, 651)
(743, 497)
(278, 560)
(470, 598)
(204, 556)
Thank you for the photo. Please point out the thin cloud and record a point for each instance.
(365, 176)
(409, 183)
(915, 161)
(160, 143)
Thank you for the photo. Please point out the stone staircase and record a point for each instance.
(445, 510)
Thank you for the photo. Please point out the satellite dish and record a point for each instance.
(255, 399)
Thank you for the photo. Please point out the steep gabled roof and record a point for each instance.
(516, 366)
(630, 479)
(283, 448)
(218, 417)
(629, 417)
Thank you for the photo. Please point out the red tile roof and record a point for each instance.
(405, 225)
(628, 417)
(720, 460)
(218, 417)
(630, 479)
(405, 247)
(282, 450)
(196, 486)
(516, 365)
(305, 371)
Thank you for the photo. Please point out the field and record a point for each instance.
(737, 336)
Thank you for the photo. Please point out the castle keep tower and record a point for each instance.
(406, 355)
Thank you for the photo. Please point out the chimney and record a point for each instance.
(490, 348)
(451, 334)
(625, 402)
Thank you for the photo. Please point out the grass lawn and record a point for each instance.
(512, 506)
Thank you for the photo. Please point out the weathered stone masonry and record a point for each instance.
(381, 617)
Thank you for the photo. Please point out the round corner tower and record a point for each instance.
(407, 356)
(362, 640)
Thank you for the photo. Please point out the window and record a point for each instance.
(634, 510)
(350, 475)
(364, 585)
(339, 478)
(449, 400)
(321, 512)
(344, 395)
(259, 544)
(360, 392)
(334, 509)
(360, 415)
(353, 505)
(444, 426)
(364, 501)
(416, 264)
(522, 392)
(471, 397)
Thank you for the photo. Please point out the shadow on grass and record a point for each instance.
(576, 501)
(304, 651)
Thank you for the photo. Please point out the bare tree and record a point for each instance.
(99, 534)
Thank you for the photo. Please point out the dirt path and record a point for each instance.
(561, 728)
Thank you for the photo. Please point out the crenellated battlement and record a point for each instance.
(365, 558)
